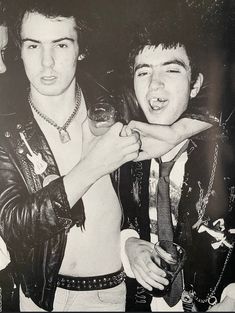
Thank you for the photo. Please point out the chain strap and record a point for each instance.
(203, 201)
(53, 123)
(212, 293)
(201, 208)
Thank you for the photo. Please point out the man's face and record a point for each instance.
(49, 52)
(162, 83)
(3, 45)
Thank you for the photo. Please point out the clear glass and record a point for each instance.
(172, 258)
(101, 116)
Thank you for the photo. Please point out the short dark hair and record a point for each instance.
(170, 33)
(52, 9)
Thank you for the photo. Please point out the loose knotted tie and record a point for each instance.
(164, 220)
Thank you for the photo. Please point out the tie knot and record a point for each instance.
(165, 168)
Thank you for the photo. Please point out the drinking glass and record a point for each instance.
(172, 258)
(101, 116)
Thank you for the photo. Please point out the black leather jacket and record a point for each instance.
(35, 219)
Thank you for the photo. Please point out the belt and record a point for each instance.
(91, 283)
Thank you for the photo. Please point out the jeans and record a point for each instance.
(112, 299)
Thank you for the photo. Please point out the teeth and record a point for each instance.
(157, 102)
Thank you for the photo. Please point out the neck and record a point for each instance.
(55, 106)
(172, 153)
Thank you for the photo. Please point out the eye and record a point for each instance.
(62, 45)
(142, 73)
(173, 70)
(33, 46)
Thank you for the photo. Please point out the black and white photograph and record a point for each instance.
(117, 155)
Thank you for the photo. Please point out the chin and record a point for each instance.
(158, 120)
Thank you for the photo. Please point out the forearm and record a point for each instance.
(80, 179)
(125, 235)
(185, 128)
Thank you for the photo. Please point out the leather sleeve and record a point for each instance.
(201, 108)
(28, 219)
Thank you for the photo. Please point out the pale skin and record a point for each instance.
(162, 133)
(50, 51)
(157, 140)
(3, 46)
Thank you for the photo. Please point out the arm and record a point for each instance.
(157, 140)
(29, 219)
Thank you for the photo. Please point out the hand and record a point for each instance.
(227, 305)
(152, 148)
(153, 144)
(108, 152)
(146, 272)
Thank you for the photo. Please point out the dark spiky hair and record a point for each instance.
(52, 9)
(169, 32)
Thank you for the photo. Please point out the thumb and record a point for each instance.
(144, 128)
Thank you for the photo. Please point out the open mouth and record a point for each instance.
(158, 103)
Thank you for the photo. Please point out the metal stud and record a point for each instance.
(7, 134)
(20, 150)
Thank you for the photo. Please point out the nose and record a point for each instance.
(156, 81)
(47, 58)
(2, 66)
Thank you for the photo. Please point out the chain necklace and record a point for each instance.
(64, 135)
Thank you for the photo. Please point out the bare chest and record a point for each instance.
(68, 154)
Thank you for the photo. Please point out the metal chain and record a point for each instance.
(218, 281)
(203, 201)
(53, 123)
(201, 207)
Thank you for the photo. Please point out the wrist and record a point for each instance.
(126, 234)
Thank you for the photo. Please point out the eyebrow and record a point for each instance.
(177, 62)
(53, 41)
(174, 61)
(141, 65)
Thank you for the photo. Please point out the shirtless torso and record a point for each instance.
(96, 249)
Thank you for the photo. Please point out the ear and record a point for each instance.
(196, 86)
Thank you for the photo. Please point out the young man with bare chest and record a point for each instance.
(60, 215)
